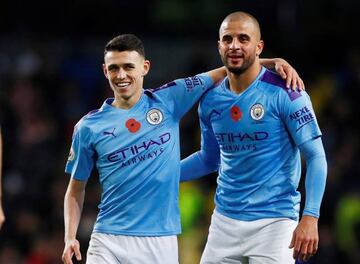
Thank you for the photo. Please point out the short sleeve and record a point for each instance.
(81, 157)
(180, 95)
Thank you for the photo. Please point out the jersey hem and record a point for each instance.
(246, 217)
(137, 233)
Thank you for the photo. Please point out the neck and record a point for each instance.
(240, 82)
(126, 103)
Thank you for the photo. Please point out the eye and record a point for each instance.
(129, 67)
(244, 38)
(227, 39)
(112, 68)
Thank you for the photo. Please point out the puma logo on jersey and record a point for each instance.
(106, 133)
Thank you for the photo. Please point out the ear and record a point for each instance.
(259, 48)
(219, 47)
(105, 70)
(146, 67)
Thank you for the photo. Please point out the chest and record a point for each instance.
(122, 137)
(252, 118)
(245, 111)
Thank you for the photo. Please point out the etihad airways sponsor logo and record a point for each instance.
(240, 137)
(129, 152)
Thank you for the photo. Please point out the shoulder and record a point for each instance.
(272, 81)
(88, 120)
(277, 86)
(92, 116)
(272, 78)
(151, 91)
(189, 83)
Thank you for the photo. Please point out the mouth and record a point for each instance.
(122, 85)
(235, 57)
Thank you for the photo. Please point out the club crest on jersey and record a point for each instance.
(71, 156)
(154, 116)
(257, 111)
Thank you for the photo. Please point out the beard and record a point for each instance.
(236, 70)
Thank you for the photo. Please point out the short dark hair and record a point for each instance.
(125, 42)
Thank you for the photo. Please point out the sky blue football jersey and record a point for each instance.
(258, 133)
(137, 155)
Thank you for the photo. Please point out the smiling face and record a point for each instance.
(125, 72)
(239, 44)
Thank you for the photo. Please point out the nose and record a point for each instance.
(235, 44)
(121, 74)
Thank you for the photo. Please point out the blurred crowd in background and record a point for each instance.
(51, 75)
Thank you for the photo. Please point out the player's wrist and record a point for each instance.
(68, 239)
(310, 218)
(310, 211)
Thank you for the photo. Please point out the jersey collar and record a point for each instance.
(107, 105)
(225, 84)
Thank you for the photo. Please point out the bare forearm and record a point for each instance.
(286, 71)
(268, 63)
(218, 74)
(73, 204)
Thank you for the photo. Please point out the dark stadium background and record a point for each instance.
(50, 75)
